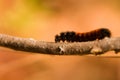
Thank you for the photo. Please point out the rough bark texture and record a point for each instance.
(76, 48)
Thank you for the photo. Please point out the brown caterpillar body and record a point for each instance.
(71, 36)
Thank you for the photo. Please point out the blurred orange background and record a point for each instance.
(42, 20)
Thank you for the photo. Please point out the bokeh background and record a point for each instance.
(42, 20)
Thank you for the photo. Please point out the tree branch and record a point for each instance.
(74, 48)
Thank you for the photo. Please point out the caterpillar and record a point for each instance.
(71, 36)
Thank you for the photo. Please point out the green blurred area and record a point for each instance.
(35, 5)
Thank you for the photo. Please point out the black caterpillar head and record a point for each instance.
(105, 32)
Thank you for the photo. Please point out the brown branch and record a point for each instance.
(75, 48)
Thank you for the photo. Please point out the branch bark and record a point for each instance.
(74, 48)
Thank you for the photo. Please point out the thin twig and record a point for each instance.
(74, 48)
